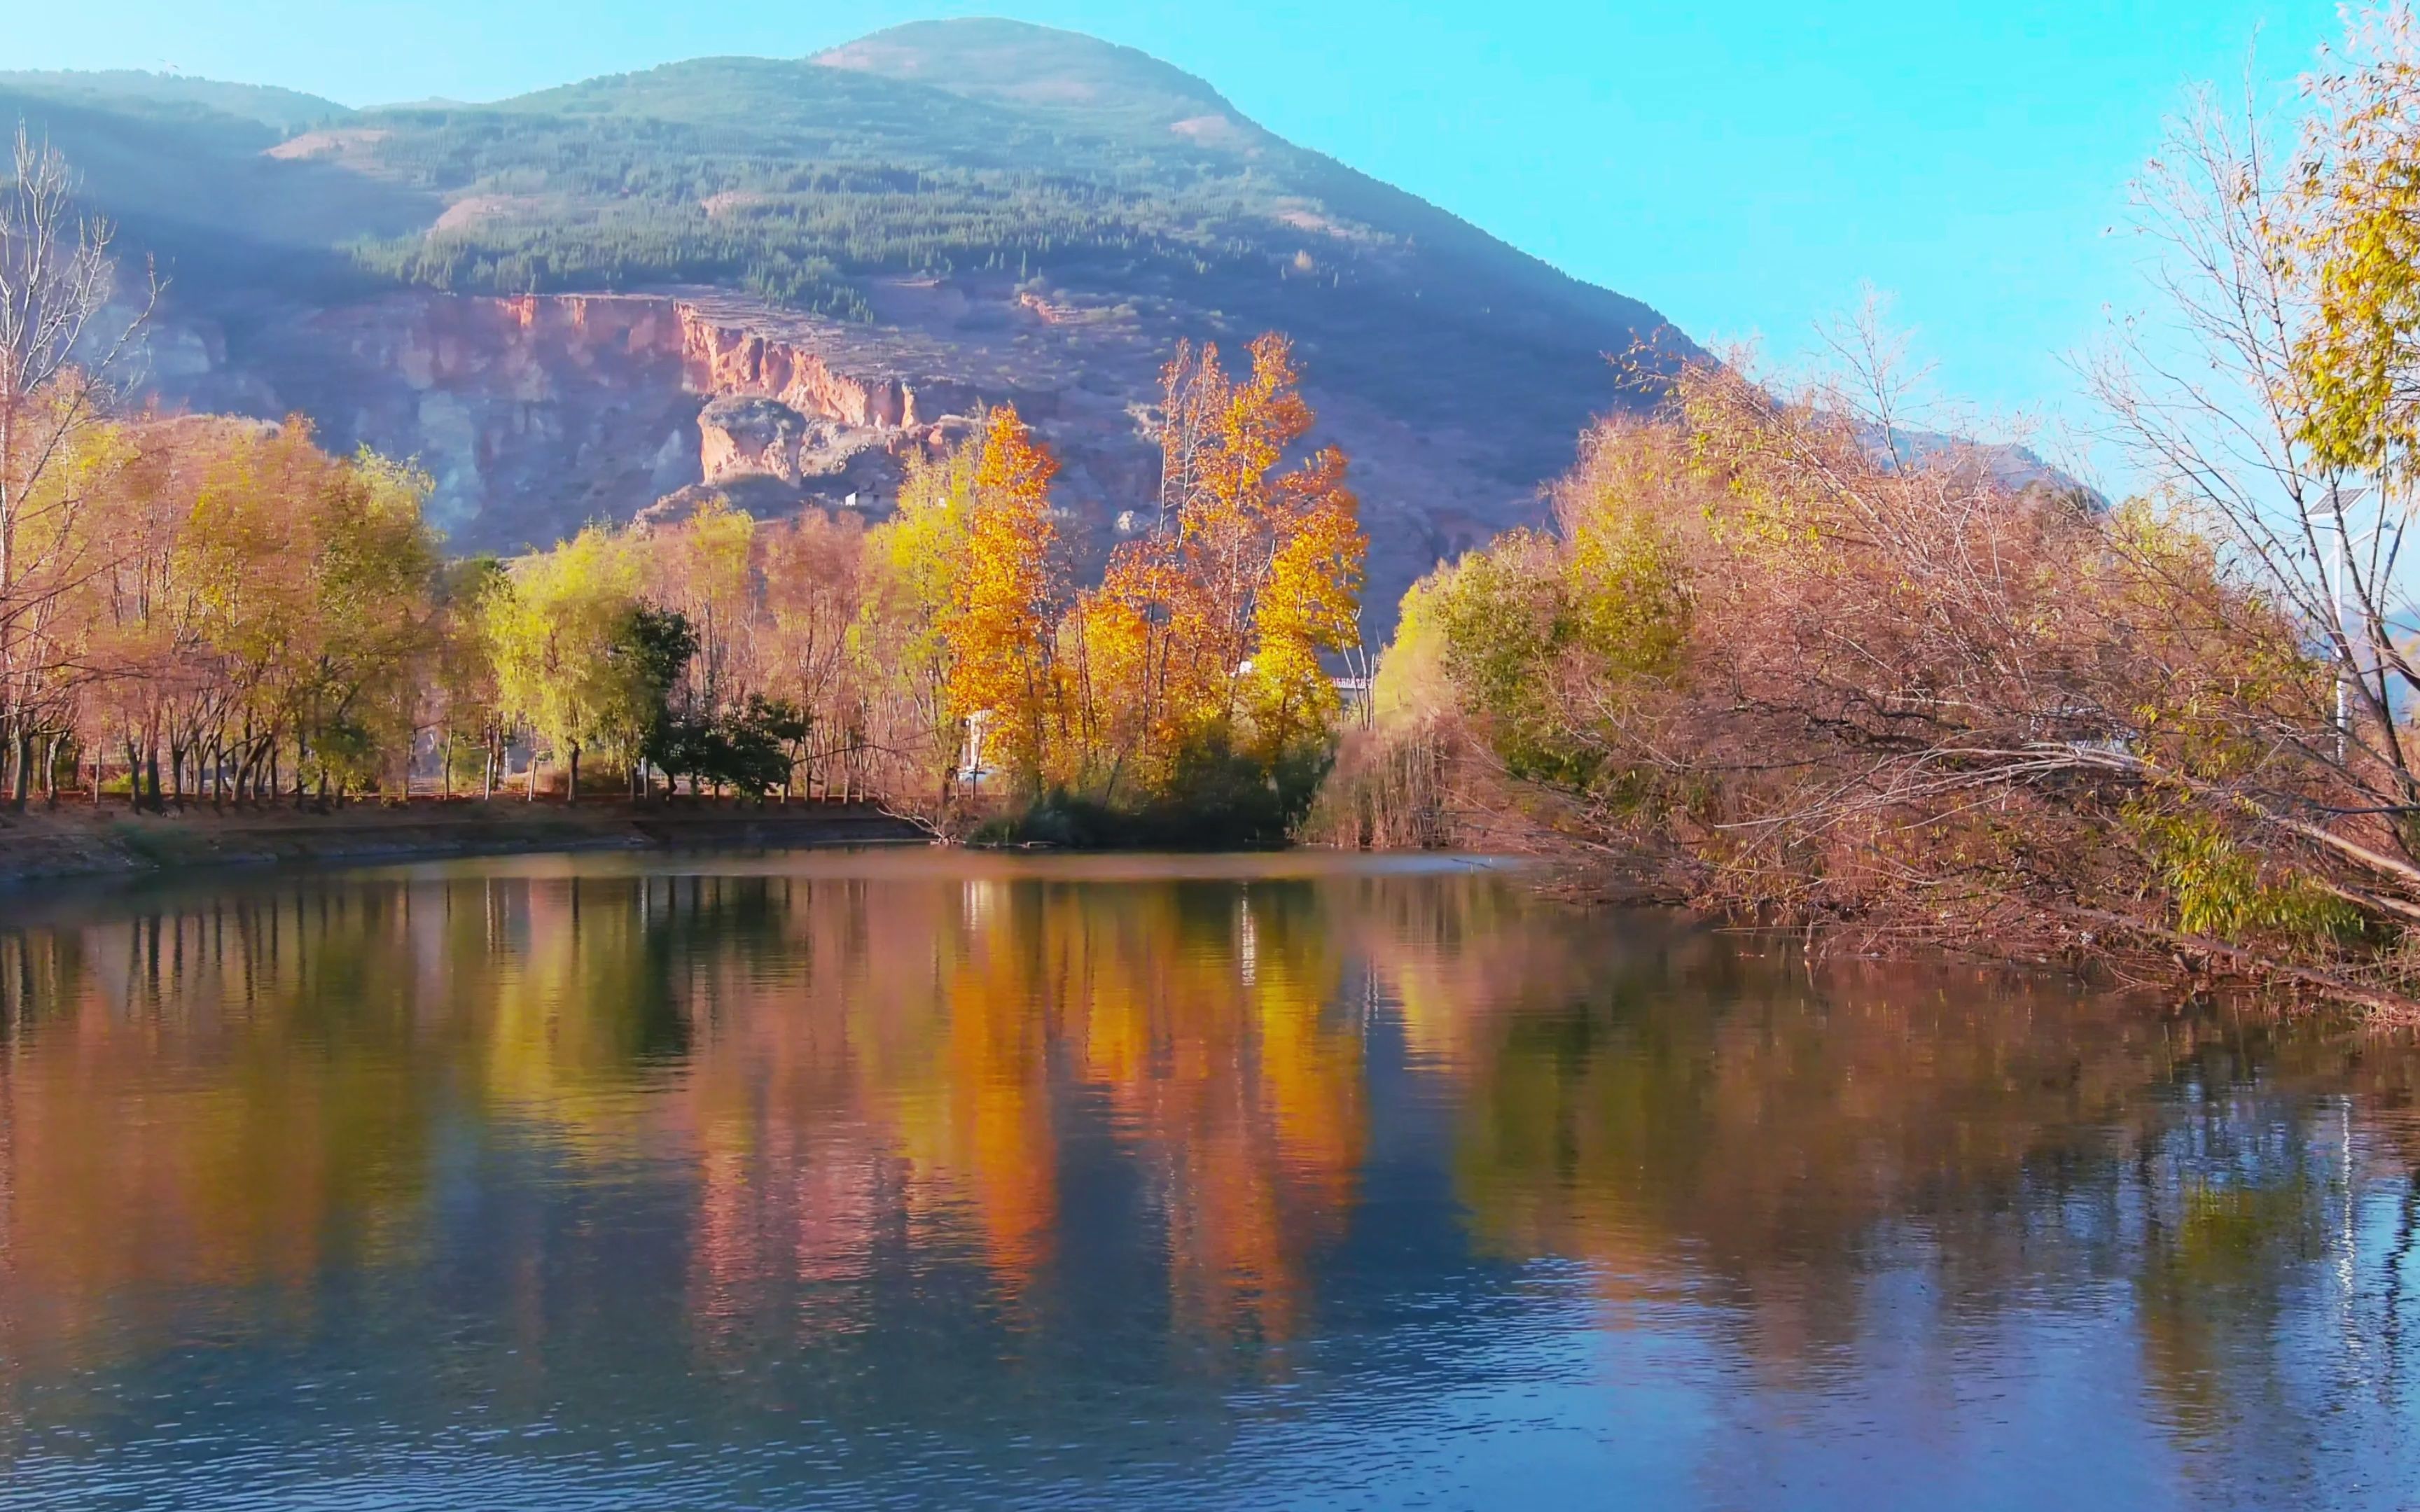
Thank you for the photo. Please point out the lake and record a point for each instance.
(916, 1178)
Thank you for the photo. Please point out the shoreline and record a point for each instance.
(78, 843)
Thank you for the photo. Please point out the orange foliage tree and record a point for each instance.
(1204, 638)
(1007, 598)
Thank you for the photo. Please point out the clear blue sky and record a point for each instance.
(1742, 167)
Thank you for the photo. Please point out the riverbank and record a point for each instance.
(78, 840)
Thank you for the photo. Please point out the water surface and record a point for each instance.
(928, 1180)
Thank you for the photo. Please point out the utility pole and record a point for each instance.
(2334, 572)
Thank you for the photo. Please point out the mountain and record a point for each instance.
(543, 297)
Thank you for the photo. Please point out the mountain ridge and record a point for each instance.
(990, 58)
(268, 104)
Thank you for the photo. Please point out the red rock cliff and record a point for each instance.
(719, 358)
(454, 338)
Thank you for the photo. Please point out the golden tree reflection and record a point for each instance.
(831, 1064)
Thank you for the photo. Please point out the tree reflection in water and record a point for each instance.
(955, 1149)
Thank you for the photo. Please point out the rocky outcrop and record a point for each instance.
(723, 359)
(742, 434)
(535, 415)
(762, 456)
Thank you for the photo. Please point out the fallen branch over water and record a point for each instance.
(2257, 969)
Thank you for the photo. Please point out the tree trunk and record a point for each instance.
(23, 782)
(571, 787)
(134, 776)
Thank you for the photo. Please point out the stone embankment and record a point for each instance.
(80, 841)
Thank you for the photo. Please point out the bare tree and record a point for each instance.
(2223, 404)
(57, 277)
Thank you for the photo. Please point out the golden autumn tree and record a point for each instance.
(1206, 633)
(1005, 600)
(1309, 602)
(1116, 642)
(894, 706)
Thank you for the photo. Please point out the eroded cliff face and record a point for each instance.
(538, 414)
(744, 435)
(534, 415)
(721, 359)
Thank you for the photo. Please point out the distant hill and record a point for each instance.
(166, 94)
(982, 208)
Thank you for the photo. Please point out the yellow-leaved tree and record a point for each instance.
(1205, 637)
(899, 651)
(1005, 603)
(554, 633)
(1309, 602)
